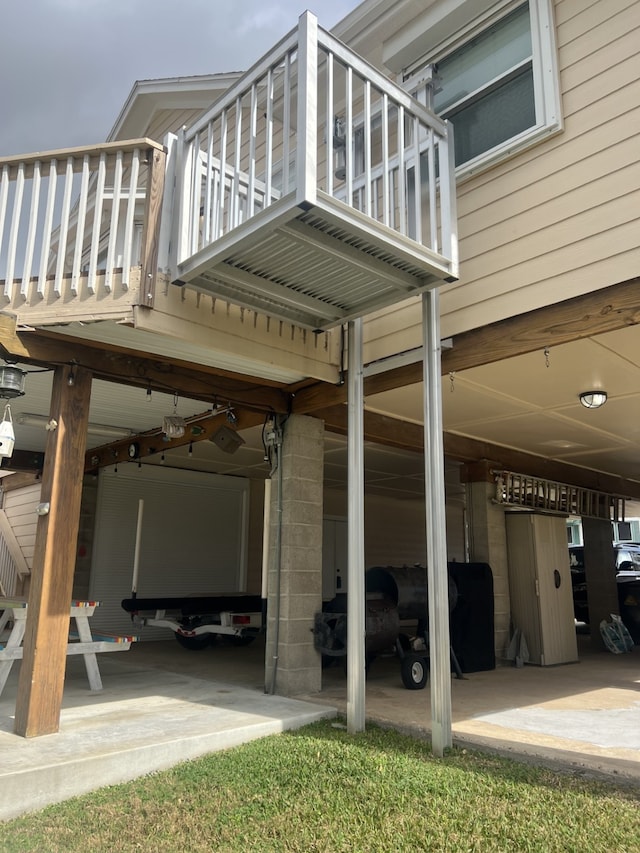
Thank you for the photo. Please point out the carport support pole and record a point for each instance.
(437, 579)
(355, 572)
(41, 680)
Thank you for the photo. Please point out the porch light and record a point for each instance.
(340, 148)
(593, 399)
(173, 426)
(11, 382)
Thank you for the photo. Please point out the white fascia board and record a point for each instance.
(148, 96)
(432, 25)
(365, 28)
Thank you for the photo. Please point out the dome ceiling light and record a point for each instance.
(593, 399)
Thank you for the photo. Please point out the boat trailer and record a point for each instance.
(197, 620)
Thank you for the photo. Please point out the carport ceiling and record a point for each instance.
(389, 470)
(531, 403)
(527, 403)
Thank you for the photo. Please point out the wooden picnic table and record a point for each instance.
(81, 640)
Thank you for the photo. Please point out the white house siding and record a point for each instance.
(193, 539)
(395, 529)
(171, 121)
(254, 538)
(19, 506)
(562, 218)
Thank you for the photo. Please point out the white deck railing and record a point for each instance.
(75, 222)
(310, 118)
(311, 125)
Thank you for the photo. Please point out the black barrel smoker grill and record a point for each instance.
(395, 596)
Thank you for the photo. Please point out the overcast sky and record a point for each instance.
(67, 66)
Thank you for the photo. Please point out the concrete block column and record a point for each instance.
(600, 575)
(488, 544)
(294, 590)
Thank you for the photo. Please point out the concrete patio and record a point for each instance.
(162, 704)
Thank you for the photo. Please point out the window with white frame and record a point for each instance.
(496, 81)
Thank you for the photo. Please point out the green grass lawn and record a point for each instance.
(320, 789)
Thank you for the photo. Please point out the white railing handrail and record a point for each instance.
(257, 71)
(92, 151)
(380, 81)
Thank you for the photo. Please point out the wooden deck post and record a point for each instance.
(42, 671)
(151, 236)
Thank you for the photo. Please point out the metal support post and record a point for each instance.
(437, 579)
(355, 578)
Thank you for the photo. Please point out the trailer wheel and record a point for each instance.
(414, 670)
(195, 644)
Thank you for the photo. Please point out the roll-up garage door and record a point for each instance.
(193, 539)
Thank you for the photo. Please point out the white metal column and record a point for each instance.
(355, 572)
(437, 578)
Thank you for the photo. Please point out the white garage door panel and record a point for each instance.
(193, 539)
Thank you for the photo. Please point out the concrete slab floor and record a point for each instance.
(162, 704)
(144, 719)
(585, 715)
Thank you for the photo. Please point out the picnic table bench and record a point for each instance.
(81, 640)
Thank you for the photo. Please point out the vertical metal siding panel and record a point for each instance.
(394, 532)
(193, 540)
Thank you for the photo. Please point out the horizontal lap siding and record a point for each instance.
(563, 217)
(20, 509)
(171, 121)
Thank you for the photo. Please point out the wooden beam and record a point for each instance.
(132, 367)
(41, 680)
(153, 442)
(23, 460)
(21, 479)
(393, 432)
(595, 313)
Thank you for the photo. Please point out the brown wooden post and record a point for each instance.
(151, 234)
(44, 660)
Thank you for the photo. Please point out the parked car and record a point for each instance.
(578, 584)
(627, 552)
(627, 569)
(628, 578)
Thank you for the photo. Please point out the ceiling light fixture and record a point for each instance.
(593, 399)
